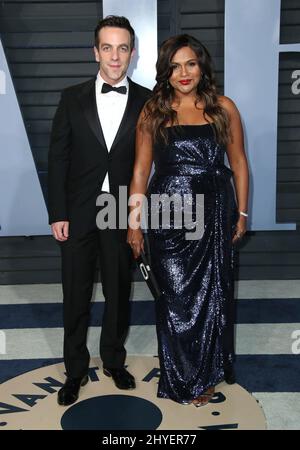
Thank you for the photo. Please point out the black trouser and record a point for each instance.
(79, 257)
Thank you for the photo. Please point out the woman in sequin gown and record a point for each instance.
(186, 128)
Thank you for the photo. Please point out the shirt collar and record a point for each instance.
(100, 81)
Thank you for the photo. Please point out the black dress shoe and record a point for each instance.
(121, 377)
(229, 375)
(68, 394)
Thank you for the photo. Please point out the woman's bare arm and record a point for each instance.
(139, 183)
(238, 161)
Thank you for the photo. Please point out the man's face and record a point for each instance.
(114, 53)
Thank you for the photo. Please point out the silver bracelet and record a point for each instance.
(243, 214)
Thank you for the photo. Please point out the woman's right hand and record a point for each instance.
(135, 239)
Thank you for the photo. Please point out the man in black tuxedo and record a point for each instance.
(92, 151)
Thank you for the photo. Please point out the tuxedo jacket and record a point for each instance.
(79, 159)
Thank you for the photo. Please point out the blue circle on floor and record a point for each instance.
(112, 412)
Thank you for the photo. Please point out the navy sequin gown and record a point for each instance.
(195, 314)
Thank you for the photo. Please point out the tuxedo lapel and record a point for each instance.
(128, 117)
(87, 99)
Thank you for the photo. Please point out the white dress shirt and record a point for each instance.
(111, 107)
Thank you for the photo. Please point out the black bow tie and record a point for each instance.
(108, 88)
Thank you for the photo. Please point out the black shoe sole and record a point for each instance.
(230, 381)
(66, 404)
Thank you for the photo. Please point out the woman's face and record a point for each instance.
(186, 73)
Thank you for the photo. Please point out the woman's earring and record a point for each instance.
(168, 84)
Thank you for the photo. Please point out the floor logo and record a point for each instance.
(29, 401)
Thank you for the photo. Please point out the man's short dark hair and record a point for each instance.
(118, 22)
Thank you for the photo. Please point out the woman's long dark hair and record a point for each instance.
(158, 110)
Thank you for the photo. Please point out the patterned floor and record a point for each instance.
(267, 337)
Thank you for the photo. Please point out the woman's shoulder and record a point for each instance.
(228, 104)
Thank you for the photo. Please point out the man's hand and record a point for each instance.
(60, 230)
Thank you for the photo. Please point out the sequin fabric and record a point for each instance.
(195, 313)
